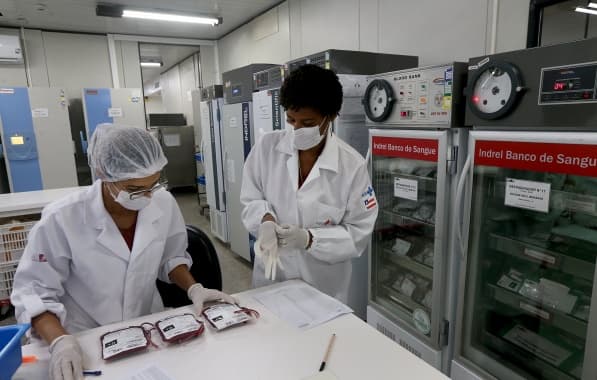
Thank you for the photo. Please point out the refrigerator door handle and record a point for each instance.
(460, 192)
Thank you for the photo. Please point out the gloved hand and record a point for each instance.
(267, 235)
(267, 248)
(292, 236)
(66, 360)
(199, 295)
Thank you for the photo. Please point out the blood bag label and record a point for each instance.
(528, 195)
(406, 188)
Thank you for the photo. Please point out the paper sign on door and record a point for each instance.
(406, 188)
(115, 112)
(39, 112)
(529, 195)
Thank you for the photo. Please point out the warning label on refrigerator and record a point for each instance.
(406, 188)
(416, 149)
(529, 195)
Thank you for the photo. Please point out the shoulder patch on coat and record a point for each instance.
(368, 200)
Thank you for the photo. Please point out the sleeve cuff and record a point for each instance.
(173, 263)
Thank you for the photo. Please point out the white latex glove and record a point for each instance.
(266, 247)
(66, 360)
(199, 295)
(292, 236)
(267, 235)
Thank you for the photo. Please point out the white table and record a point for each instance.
(265, 349)
(31, 202)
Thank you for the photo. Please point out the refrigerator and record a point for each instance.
(352, 68)
(417, 145)
(268, 114)
(238, 138)
(209, 102)
(38, 146)
(529, 217)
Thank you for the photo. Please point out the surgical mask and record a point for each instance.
(124, 199)
(307, 137)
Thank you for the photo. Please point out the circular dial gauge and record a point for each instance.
(378, 100)
(495, 90)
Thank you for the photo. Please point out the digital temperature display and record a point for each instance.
(559, 86)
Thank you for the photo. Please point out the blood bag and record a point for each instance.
(178, 328)
(124, 341)
(224, 315)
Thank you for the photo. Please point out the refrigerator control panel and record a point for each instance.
(568, 84)
(421, 96)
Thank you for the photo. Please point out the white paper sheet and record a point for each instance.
(150, 373)
(301, 305)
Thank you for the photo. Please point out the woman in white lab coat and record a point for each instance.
(94, 256)
(307, 194)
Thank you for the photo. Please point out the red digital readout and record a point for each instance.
(559, 86)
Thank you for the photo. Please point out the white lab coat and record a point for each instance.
(332, 204)
(77, 264)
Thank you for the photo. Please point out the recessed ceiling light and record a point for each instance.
(586, 10)
(151, 64)
(115, 10)
(592, 5)
(160, 16)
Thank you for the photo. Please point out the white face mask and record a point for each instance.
(307, 137)
(124, 199)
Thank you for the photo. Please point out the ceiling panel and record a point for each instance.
(79, 15)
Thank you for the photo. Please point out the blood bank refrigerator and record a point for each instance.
(529, 217)
(417, 145)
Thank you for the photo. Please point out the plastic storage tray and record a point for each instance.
(10, 349)
(13, 239)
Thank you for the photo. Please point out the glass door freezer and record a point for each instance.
(528, 290)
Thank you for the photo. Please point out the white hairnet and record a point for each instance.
(121, 152)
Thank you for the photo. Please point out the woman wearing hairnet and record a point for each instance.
(94, 256)
(307, 195)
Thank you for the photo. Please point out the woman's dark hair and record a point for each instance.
(314, 87)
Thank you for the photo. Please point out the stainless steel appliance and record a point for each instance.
(528, 291)
(238, 138)
(268, 114)
(352, 68)
(208, 103)
(417, 148)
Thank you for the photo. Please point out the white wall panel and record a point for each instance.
(436, 31)
(256, 42)
(329, 24)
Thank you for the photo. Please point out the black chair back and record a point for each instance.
(205, 269)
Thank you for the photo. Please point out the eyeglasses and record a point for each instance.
(141, 193)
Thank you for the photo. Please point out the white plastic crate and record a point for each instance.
(13, 239)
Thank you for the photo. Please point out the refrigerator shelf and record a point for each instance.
(401, 220)
(402, 300)
(410, 264)
(525, 358)
(553, 317)
(548, 258)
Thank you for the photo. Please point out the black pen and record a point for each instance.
(327, 353)
(92, 373)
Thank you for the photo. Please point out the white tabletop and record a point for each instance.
(31, 202)
(265, 349)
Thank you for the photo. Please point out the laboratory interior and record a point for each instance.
(298, 189)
